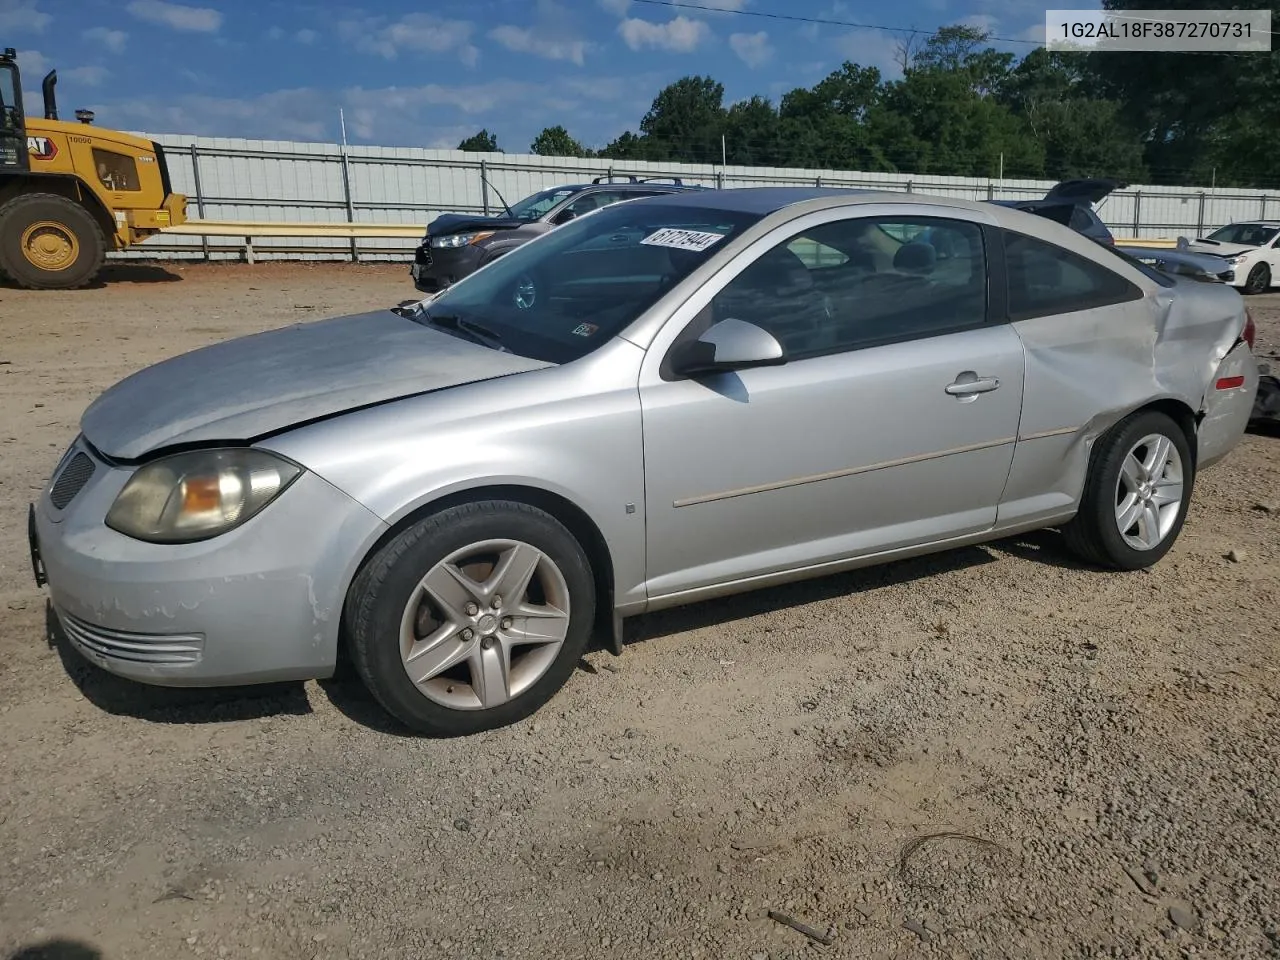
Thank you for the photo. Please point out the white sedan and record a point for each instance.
(1251, 248)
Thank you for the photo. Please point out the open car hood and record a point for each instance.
(465, 222)
(1085, 191)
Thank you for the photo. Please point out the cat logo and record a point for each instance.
(41, 148)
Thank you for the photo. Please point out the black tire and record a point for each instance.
(1093, 534)
(1259, 279)
(378, 595)
(21, 213)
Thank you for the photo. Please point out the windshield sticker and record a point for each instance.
(682, 239)
(584, 329)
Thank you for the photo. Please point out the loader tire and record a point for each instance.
(48, 242)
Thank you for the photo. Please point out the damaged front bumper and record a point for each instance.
(259, 603)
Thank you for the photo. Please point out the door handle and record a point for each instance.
(969, 384)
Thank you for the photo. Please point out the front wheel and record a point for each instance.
(472, 618)
(48, 242)
(1136, 494)
(1259, 280)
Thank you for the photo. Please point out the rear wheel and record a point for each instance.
(1259, 280)
(1136, 495)
(48, 242)
(471, 618)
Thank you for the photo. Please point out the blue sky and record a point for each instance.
(429, 72)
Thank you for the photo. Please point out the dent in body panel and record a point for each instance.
(1088, 370)
(573, 431)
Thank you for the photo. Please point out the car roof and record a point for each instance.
(626, 185)
(763, 200)
(1272, 224)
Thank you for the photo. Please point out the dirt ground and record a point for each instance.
(987, 753)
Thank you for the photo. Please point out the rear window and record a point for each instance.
(560, 296)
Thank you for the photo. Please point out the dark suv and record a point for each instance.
(458, 244)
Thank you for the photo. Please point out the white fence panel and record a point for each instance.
(296, 182)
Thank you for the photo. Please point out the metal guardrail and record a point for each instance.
(248, 230)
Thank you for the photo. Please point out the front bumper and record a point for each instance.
(434, 270)
(260, 603)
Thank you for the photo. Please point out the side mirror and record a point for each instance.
(728, 345)
(563, 217)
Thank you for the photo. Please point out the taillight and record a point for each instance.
(1250, 333)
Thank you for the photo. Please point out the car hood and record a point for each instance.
(464, 222)
(1184, 261)
(1087, 190)
(245, 388)
(1216, 247)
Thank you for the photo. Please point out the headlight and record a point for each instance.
(198, 495)
(458, 240)
(1237, 259)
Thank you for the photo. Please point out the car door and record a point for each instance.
(891, 423)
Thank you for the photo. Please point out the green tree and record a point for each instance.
(685, 121)
(1082, 135)
(1198, 115)
(556, 142)
(482, 142)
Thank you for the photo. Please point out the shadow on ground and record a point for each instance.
(350, 697)
(58, 949)
(119, 696)
(113, 274)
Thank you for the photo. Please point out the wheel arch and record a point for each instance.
(67, 187)
(576, 520)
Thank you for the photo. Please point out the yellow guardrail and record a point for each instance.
(255, 228)
(249, 230)
(1157, 242)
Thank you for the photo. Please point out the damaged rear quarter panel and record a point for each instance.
(1086, 371)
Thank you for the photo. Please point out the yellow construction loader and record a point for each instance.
(71, 191)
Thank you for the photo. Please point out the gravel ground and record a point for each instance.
(986, 753)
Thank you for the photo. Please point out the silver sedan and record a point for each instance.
(666, 400)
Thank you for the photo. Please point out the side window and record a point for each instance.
(1080, 219)
(861, 282)
(1045, 279)
(586, 202)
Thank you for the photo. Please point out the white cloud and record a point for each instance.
(616, 7)
(113, 40)
(753, 49)
(306, 36)
(1034, 33)
(870, 48)
(414, 32)
(680, 35)
(731, 5)
(528, 40)
(17, 16)
(33, 62)
(176, 15)
(985, 22)
(90, 76)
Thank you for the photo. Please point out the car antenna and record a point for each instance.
(506, 205)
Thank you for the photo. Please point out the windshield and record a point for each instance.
(8, 99)
(1248, 234)
(531, 208)
(561, 296)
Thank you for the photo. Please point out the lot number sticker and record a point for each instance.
(682, 239)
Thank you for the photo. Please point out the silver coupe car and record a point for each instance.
(668, 399)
